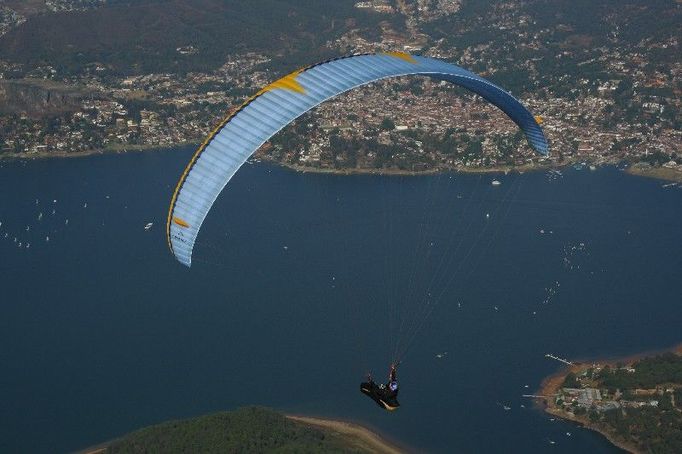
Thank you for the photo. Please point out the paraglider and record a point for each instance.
(242, 132)
(237, 137)
(385, 395)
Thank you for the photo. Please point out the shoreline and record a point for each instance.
(44, 155)
(657, 173)
(361, 435)
(551, 384)
(401, 172)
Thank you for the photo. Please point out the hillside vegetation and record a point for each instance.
(144, 36)
(251, 430)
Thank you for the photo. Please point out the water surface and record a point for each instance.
(289, 299)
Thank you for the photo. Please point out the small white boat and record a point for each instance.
(148, 226)
(496, 183)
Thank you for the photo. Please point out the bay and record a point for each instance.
(289, 298)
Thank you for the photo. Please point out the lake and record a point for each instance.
(299, 285)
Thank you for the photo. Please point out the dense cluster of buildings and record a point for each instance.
(591, 397)
(584, 123)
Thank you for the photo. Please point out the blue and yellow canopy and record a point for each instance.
(239, 135)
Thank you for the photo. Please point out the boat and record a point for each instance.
(148, 226)
(496, 183)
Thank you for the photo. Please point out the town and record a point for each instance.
(636, 403)
(587, 104)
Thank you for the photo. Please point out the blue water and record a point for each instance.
(102, 332)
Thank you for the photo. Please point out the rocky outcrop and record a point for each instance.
(38, 97)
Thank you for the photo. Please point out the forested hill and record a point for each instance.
(145, 36)
(250, 430)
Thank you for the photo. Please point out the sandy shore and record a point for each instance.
(359, 436)
(551, 385)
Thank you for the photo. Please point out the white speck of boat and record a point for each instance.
(85, 205)
(487, 215)
(40, 216)
(28, 227)
(496, 183)
(148, 226)
(47, 239)
(66, 222)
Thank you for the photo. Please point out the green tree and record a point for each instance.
(387, 124)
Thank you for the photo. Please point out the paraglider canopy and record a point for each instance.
(242, 132)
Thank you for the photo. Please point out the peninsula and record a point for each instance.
(250, 429)
(636, 402)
